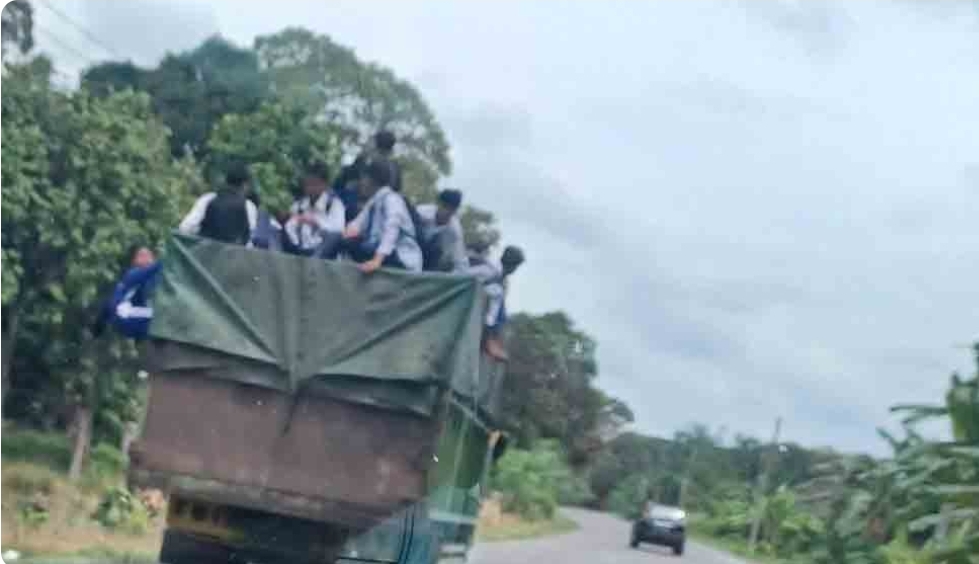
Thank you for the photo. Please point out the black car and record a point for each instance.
(663, 525)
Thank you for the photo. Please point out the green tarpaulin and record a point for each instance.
(392, 338)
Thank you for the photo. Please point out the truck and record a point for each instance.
(301, 411)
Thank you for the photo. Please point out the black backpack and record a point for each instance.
(226, 219)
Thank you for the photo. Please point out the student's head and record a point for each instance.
(237, 178)
(512, 258)
(141, 255)
(316, 178)
(449, 202)
(375, 175)
(384, 142)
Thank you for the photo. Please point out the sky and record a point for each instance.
(758, 209)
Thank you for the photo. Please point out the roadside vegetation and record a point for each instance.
(44, 513)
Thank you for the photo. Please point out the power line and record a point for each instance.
(84, 31)
(64, 45)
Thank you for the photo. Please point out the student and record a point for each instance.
(441, 233)
(383, 233)
(316, 222)
(346, 187)
(384, 150)
(226, 215)
(128, 310)
(494, 279)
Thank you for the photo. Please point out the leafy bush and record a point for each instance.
(531, 480)
(49, 449)
(106, 467)
(628, 497)
(575, 491)
(121, 510)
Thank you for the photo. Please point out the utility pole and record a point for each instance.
(762, 485)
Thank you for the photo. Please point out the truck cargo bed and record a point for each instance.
(308, 456)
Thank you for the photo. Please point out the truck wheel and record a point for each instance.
(678, 549)
(182, 548)
(633, 541)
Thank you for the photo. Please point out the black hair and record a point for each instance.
(237, 175)
(379, 171)
(318, 169)
(384, 140)
(512, 256)
(451, 197)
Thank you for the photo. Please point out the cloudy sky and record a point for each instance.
(759, 209)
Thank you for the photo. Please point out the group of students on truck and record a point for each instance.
(361, 216)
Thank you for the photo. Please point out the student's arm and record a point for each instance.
(356, 226)
(460, 262)
(396, 215)
(191, 224)
(134, 278)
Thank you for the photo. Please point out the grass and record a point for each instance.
(513, 527)
(48, 519)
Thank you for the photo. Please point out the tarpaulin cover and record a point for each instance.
(391, 338)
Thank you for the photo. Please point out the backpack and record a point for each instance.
(226, 219)
(430, 253)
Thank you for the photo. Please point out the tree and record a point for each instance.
(277, 141)
(359, 97)
(85, 179)
(191, 91)
(18, 26)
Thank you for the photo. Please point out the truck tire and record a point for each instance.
(678, 549)
(182, 548)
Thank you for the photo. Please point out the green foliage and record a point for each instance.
(532, 480)
(106, 467)
(85, 178)
(190, 91)
(629, 496)
(575, 491)
(360, 98)
(28, 479)
(277, 141)
(49, 449)
(119, 509)
(549, 391)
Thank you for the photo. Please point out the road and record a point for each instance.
(600, 539)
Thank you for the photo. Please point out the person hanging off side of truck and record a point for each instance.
(383, 233)
(441, 233)
(317, 219)
(129, 310)
(494, 279)
(226, 215)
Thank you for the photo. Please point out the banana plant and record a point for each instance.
(942, 478)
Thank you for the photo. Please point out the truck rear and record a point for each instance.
(300, 411)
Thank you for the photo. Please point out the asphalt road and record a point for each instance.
(600, 539)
